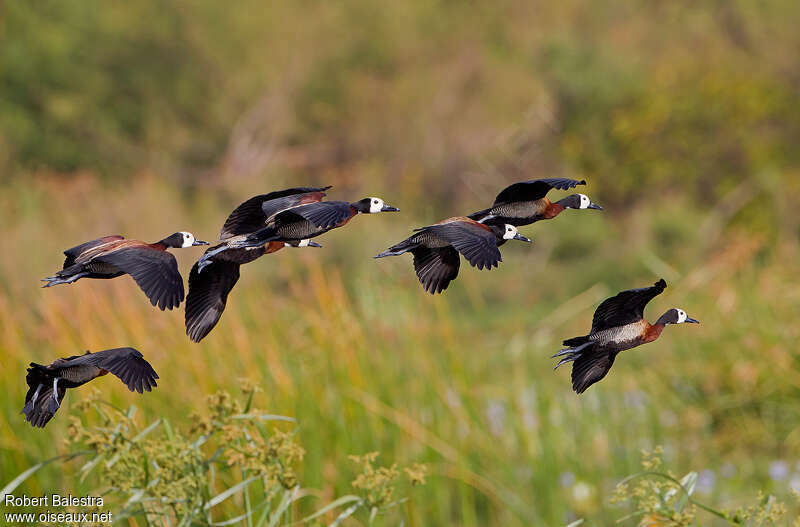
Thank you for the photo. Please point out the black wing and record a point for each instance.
(436, 268)
(589, 369)
(478, 245)
(323, 215)
(534, 189)
(626, 307)
(40, 410)
(76, 251)
(127, 364)
(156, 273)
(208, 293)
(253, 213)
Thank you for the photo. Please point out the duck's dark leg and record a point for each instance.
(55, 405)
(57, 280)
(32, 403)
(572, 353)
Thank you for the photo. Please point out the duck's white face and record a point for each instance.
(585, 201)
(511, 231)
(188, 239)
(682, 316)
(375, 205)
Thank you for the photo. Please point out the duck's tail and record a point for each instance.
(398, 249)
(40, 405)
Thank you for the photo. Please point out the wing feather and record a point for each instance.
(208, 295)
(436, 268)
(626, 307)
(252, 214)
(128, 365)
(156, 273)
(477, 244)
(534, 189)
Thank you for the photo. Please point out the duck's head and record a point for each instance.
(509, 232)
(676, 316)
(372, 206)
(578, 201)
(302, 243)
(181, 240)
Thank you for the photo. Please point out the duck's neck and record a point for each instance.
(552, 209)
(653, 331)
(273, 247)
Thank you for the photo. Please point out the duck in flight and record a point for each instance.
(618, 325)
(303, 222)
(153, 268)
(47, 385)
(526, 202)
(212, 279)
(436, 249)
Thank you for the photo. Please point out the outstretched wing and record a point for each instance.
(254, 213)
(127, 364)
(323, 215)
(589, 369)
(156, 273)
(625, 307)
(76, 251)
(474, 241)
(534, 189)
(208, 294)
(436, 268)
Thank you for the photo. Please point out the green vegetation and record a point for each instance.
(166, 477)
(148, 117)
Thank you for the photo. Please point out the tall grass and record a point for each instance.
(365, 361)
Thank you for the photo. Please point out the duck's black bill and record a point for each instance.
(691, 320)
(314, 244)
(387, 208)
(595, 206)
(200, 242)
(522, 238)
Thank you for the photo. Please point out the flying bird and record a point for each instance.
(436, 249)
(47, 385)
(618, 325)
(213, 277)
(153, 268)
(303, 222)
(526, 202)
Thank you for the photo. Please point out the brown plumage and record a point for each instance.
(153, 268)
(618, 325)
(48, 384)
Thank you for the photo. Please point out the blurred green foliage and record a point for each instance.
(666, 95)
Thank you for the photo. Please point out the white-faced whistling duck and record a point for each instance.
(524, 203)
(154, 269)
(212, 278)
(208, 290)
(618, 325)
(436, 247)
(47, 385)
(304, 222)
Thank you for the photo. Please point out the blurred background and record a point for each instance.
(143, 118)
